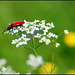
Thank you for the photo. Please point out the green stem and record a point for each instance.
(39, 45)
(29, 47)
(33, 42)
(44, 68)
(37, 54)
(52, 61)
(54, 68)
(59, 36)
(53, 55)
(41, 63)
(17, 35)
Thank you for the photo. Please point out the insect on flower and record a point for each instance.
(15, 24)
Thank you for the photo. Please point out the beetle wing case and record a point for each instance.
(17, 23)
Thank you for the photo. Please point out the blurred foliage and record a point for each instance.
(61, 13)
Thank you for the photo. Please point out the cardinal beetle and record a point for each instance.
(15, 24)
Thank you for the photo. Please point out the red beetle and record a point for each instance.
(15, 24)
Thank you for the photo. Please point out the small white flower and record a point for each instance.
(32, 23)
(56, 36)
(25, 25)
(16, 40)
(20, 43)
(49, 34)
(24, 42)
(36, 28)
(53, 35)
(57, 45)
(25, 21)
(19, 39)
(13, 42)
(66, 31)
(43, 39)
(43, 21)
(44, 33)
(38, 35)
(18, 27)
(22, 29)
(47, 41)
(36, 21)
(42, 25)
(17, 45)
(15, 31)
(52, 25)
(23, 35)
(27, 39)
(48, 24)
(46, 30)
(32, 31)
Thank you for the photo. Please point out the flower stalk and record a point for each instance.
(37, 54)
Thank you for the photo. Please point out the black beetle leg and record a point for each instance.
(12, 29)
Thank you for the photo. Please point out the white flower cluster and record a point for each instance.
(6, 70)
(34, 61)
(21, 41)
(66, 31)
(38, 28)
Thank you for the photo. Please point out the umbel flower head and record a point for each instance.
(39, 29)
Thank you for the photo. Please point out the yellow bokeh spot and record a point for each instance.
(47, 66)
(71, 72)
(69, 39)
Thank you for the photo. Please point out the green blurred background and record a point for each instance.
(61, 13)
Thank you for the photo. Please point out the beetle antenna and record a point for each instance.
(4, 30)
